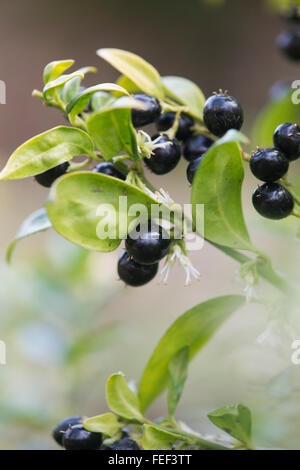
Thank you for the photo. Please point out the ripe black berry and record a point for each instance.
(192, 168)
(108, 168)
(135, 274)
(148, 244)
(164, 158)
(222, 112)
(289, 43)
(142, 117)
(166, 120)
(122, 444)
(78, 438)
(195, 146)
(269, 164)
(272, 201)
(287, 138)
(48, 177)
(61, 428)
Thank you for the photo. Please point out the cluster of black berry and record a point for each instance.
(288, 40)
(271, 199)
(71, 435)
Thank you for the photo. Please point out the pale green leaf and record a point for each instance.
(47, 150)
(187, 93)
(140, 72)
(155, 438)
(37, 222)
(106, 424)
(177, 368)
(121, 400)
(192, 329)
(54, 69)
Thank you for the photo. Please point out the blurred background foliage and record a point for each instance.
(66, 319)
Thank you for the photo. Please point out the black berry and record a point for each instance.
(289, 43)
(222, 112)
(273, 201)
(287, 138)
(61, 428)
(269, 164)
(195, 146)
(165, 158)
(78, 438)
(135, 274)
(192, 168)
(148, 244)
(108, 168)
(48, 177)
(142, 117)
(122, 444)
(166, 120)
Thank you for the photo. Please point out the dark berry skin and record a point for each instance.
(289, 43)
(273, 201)
(47, 178)
(164, 159)
(134, 274)
(108, 168)
(148, 244)
(287, 139)
(192, 168)
(61, 428)
(142, 117)
(222, 112)
(166, 120)
(122, 444)
(269, 164)
(195, 146)
(78, 438)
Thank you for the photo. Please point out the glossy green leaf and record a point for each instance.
(46, 151)
(217, 184)
(72, 87)
(155, 438)
(185, 92)
(178, 367)
(140, 72)
(101, 99)
(112, 129)
(79, 102)
(54, 69)
(192, 329)
(234, 420)
(276, 112)
(106, 424)
(37, 222)
(76, 199)
(121, 400)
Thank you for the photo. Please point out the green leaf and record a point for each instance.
(121, 400)
(185, 92)
(71, 87)
(101, 99)
(217, 184)
(75, 200)
(193, 329)
(46, 151)
(140, 72)
(79, 102)
(37, 222)
(54, 69)
(112, 129)
(106, 424)
(128, 84)
(177, 368)
(155, 438)
(52, 89)
(275, 113)
(234, 420)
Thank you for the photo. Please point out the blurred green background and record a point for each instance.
(66, 319)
